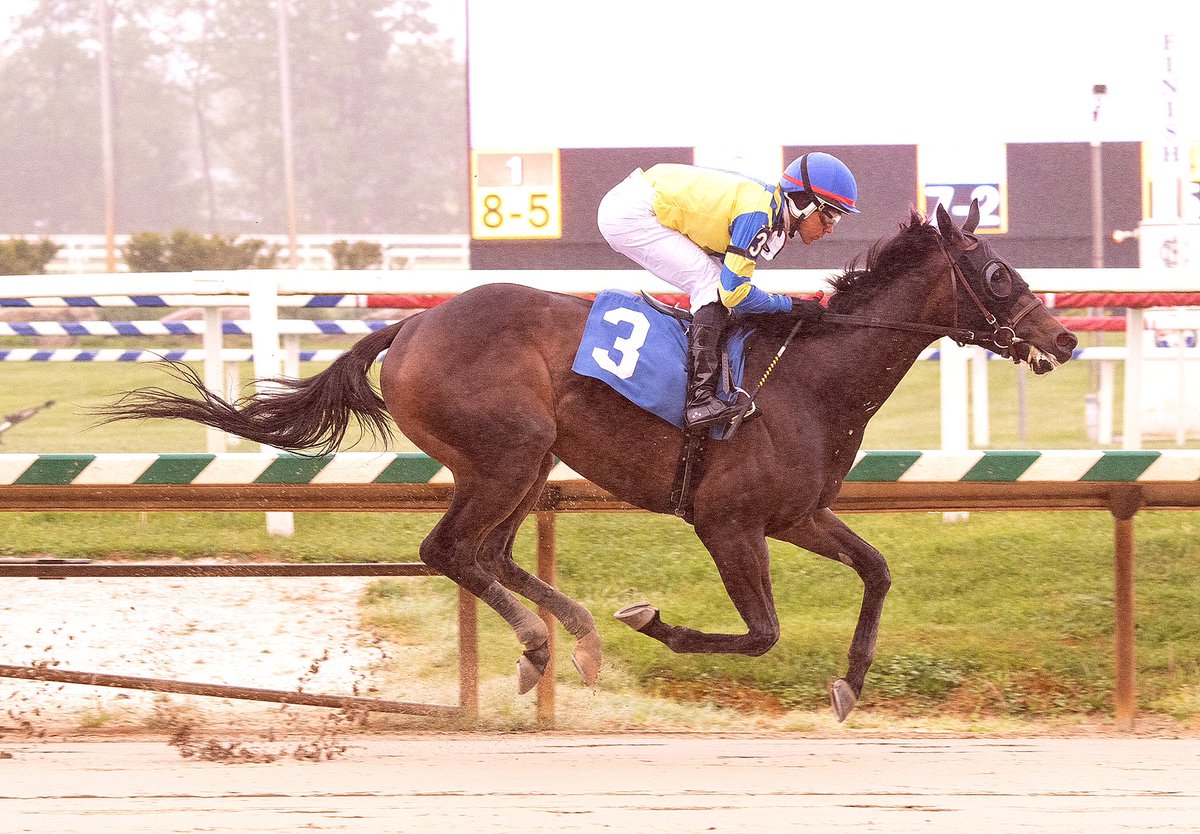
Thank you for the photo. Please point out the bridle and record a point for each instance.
(1002, 337)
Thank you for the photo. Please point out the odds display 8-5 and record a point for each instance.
(515, 194)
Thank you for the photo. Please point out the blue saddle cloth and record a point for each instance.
(642, 354)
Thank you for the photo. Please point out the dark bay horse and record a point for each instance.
(483, 384)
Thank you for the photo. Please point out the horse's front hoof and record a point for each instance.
(637, 616)
(531, 666)
(586, 657)
(842, 699)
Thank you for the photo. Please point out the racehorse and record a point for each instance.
(483, 384)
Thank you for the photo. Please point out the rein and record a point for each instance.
(1003, 336)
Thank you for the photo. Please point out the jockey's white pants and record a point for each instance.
(626, 219)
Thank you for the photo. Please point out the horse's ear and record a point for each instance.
(972, 217)
(943, 216)
(950, 232)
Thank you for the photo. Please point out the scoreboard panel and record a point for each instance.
(515, 194)
(1038, 200)
(953, 175)
(1014, 135)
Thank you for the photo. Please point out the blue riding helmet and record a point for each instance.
(822, 177)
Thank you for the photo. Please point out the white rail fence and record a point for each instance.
(275, 341)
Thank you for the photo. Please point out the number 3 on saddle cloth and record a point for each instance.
(642, 354)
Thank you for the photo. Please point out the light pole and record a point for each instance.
(1099, 91)
(108, 165)
(1092, 403)
(289, 166)
(264, 299)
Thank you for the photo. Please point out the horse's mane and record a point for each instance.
(897, 255)
(887, 258)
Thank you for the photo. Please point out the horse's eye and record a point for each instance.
(998, 279)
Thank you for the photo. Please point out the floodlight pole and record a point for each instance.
(266, 302)
(1099, 91)
(289, 165)
(107, 156)
(1093, 395)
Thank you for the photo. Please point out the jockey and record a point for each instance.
(673, 219)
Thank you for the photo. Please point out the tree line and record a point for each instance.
(378, 114)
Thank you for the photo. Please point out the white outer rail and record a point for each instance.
(266, 290)
(453, 281)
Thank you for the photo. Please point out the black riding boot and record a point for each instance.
(703, 407)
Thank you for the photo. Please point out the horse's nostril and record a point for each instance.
(1066, 342)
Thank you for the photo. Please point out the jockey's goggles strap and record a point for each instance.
(801, 214)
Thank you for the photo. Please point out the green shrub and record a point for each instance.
(20, 257)
(358, 255)
(184, 251)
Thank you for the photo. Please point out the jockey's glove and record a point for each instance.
(807, 310)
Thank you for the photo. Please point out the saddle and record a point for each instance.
(637, 345)
(668, 309)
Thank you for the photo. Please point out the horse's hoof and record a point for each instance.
(531, 666)
(586, 657)
(842, 699)
(637, 616)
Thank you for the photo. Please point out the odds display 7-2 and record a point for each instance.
(515, 194)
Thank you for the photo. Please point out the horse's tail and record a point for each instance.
(298, 415)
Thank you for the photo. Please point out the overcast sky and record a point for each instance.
(630, 73)
(678, 73)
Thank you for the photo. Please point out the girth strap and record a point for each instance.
(688, 472)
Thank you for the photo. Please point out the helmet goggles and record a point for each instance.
(830, 214)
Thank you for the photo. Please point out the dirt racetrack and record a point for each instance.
(636, 783)
(324, 775)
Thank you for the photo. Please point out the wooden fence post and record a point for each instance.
(546, 571)
(1124, 505)
(468, 655)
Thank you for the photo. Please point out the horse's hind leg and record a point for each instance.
(481, 502)
(483, 405)
(496, 555)
(825, 534)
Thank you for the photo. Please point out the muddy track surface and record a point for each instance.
(284, 634)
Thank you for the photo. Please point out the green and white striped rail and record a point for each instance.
(223, 469)
(415, 468)
(1026, 466)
